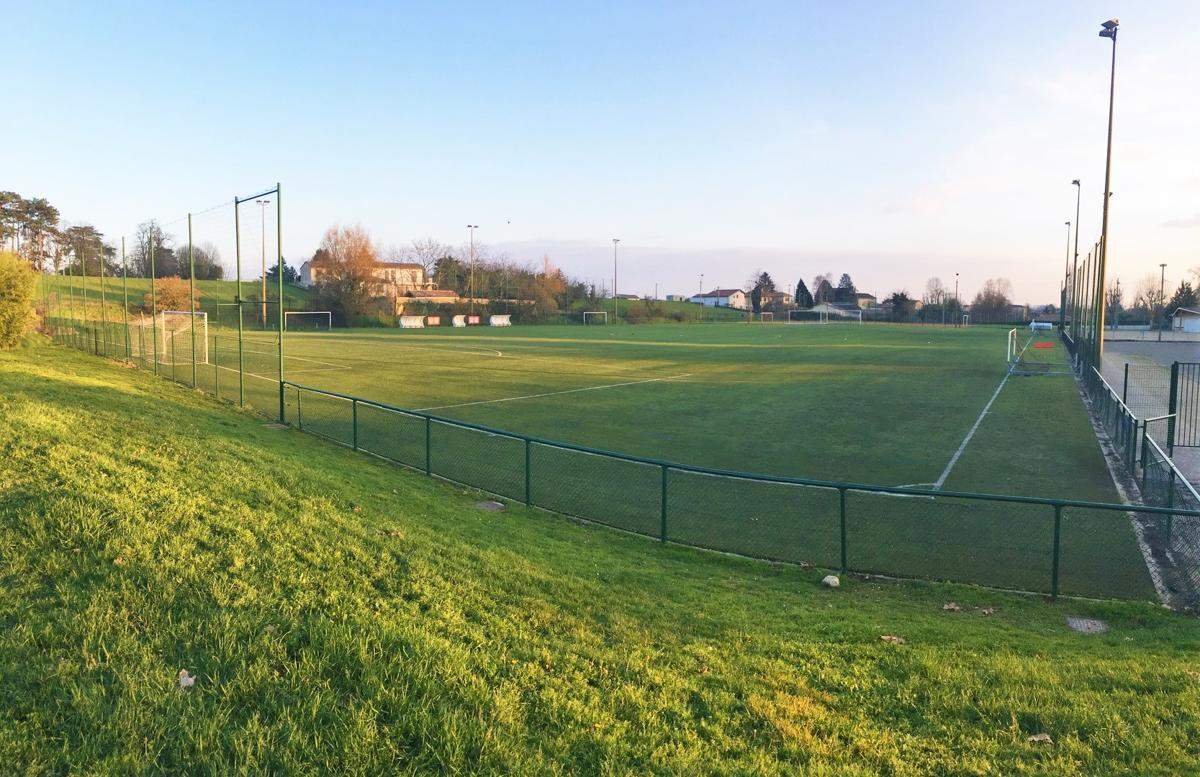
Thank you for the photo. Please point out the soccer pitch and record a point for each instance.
(876, 404)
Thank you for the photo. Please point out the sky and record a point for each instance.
(891, 141)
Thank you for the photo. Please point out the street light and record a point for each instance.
(1109, 30)
(1162, 299)
(471, 269)
(263, 210)
(615, 241)
(957, 305)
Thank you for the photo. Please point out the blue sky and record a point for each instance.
(891, 141)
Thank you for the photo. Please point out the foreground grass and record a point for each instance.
(344, 615)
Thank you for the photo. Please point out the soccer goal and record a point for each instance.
(766, 318)
(839, 316)
(807, 317)
(319, 320)
(168, 337)
(595, 316)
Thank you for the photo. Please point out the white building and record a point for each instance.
(1186, 320)
(723, 298)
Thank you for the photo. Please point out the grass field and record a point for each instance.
(342, 615)
(887, 405)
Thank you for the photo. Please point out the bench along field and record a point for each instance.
(888, 405)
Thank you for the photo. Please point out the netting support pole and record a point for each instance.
(842, 523)
(237, 252)
(103, 298)
(125, 296)
(353, 422)
(279, 270)
(153, 301)
(429, 448)
(662, 518)
(192, 298)
(528, 474)
(1054, 561)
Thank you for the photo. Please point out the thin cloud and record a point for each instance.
(1184, 223)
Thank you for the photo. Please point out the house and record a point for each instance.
(865, 300)
(394, 278)
(723, 298)
(772, 299)
(1186, 320)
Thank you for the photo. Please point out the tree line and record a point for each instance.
(33, 229)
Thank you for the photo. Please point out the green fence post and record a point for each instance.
(842, 520)
(237, 252)
(1054, 562)
(662, 518)
(216, 367)
(1125, 386)
(428, 447)
(192, 298)
(153, 303)
(528, 474)
(279, 268)
(299, 414)
(1170, 505)
(125, 295)
(1172, 407)
(354, 422)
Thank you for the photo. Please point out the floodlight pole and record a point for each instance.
(1062, 310)
(1075, 260)
(1109, 31)
(957, 304)
(471, 270)
(1162, 300)
(615, 241)
(192, 299)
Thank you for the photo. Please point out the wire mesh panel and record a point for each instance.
(1147, 389)
(1100, 555)
(392, 434)
(1001, 544)
(1187, 404)
(759, 518)
(486, 460)
(321, 414)
(606, 489)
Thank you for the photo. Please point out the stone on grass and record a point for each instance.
(830, 581)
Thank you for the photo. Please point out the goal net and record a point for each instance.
(1036, 354)
(766, 318)
(595, 317)
(313, 320)
(169, 337)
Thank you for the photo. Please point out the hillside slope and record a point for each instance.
(341, 614)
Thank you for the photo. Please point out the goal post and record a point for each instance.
(173, 331)
(766, 317)
(806, 316)
(1013, 349)
(595, 316)
(308, 319)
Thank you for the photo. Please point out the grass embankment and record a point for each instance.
(343, 615)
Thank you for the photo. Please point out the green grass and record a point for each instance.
(343, 615)
(872, 404)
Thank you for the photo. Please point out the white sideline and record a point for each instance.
(553, 393)
(941, 481)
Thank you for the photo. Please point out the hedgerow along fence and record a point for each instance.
(1044, 545)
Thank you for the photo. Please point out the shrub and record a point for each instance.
(16, 299)
(172, 293)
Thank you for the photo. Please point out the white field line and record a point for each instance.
(941, 481)
(554, 393)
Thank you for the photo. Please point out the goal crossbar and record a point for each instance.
(318, 315)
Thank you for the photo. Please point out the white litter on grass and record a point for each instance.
(830, 581)
(185, 680)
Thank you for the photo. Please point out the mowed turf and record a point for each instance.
(865, 399)
(341, 615)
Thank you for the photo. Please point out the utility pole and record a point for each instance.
(957, 304)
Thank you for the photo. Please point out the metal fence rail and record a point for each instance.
(1033, 544)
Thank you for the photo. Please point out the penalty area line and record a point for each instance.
(554, 393)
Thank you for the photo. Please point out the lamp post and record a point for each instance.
(1109, 30)
(1075, 260)
(615, 241)
(471, 269)
(1162, 299)
(1062, 310)
(263, 209)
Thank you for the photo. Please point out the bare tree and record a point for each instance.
(347, 283)
(935, 292)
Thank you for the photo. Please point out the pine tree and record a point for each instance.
(803, 298)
